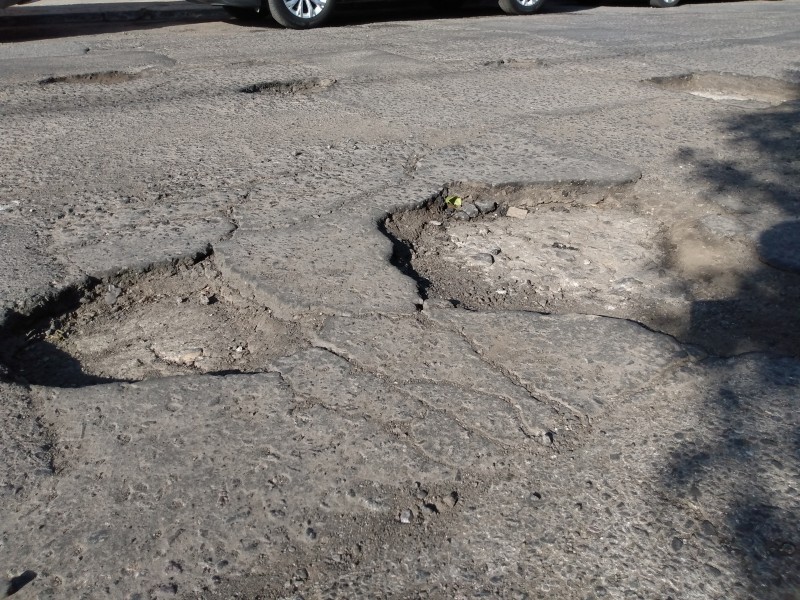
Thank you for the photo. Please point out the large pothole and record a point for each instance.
(731, 88)
(169, 321)
(567, 250)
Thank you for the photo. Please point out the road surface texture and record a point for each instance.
(405, 307)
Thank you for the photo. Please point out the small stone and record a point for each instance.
(111, 295)
(180, 299)
(486, 206)
(179, 356)
(469, 209)
(435, 223)
(480, 260)
(516, 213)
(461, 216)
(450, 500)
(406, 516)
(430, 507)
(206, 299)
(438, 303)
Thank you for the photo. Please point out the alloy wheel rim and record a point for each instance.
(305, 9)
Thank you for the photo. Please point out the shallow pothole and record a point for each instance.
(517, 63)
(101, 78)
(731, 88)
(170, 321)
(294, 86)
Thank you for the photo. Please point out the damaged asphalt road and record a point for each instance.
(252, 346)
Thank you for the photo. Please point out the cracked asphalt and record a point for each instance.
(248, 348)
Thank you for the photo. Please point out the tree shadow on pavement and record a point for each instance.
(740, 463)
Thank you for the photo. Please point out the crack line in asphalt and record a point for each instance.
(327, 347)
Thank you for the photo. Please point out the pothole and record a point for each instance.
(732, 88)
(101, 78)
(547, 249)
(173, 320)
(517, 63)
(294, 86)
(574, 250)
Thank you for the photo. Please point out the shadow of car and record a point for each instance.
(304, 14)
(7, 3)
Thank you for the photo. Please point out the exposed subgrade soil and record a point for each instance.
(587, 249)
(171, 320)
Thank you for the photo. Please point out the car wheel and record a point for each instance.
(664, 3)
(521, 7)
(242, 13)
(301, 14)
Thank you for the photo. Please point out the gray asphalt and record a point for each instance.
(248, 350)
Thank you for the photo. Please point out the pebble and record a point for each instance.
(406, 516)
(469, 209)
(516, 213)
(481, 260)
(450, 500)
(486, 206)
(179, 356)
(112, 294)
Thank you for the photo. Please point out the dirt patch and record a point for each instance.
(285, 88)
(170, 321)
(564, 249)
(732, 88)
(102, 78)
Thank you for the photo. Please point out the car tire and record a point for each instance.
(301, 14)
(664, 3)
(521, 7)
(242, 13)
